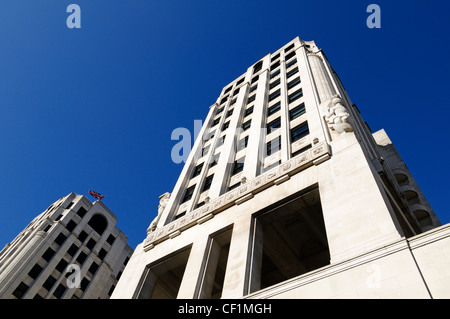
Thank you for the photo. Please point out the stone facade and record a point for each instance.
(288, 194)
(71, 250)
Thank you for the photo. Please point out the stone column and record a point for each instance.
(323, 84)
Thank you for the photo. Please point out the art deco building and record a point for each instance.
(288, 194)
(71, 250)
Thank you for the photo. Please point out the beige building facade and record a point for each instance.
(288, 194)
(72, 250)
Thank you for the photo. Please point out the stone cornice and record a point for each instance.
(314, 156)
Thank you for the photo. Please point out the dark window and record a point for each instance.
(275, 65)
(61, 266)
(274, 146)
(238, 166)
(236, 91)
(98, 223)
(82, 236)
(246, 125)
(230, 112)
(81, 257)
(20, 290)
(295, 96)
(188, 194)
(197, 170)
(225, 126)
(59, 291)
(111, 290)
(253, 88)
(297, 111)
(110, 239)
(70, 205)
(48, 254)
(91, 244)
(276, 56)
(289, 47)
(251, 99)
(228, 89)
(207, 183)
(81, 211)
(274, 108)
(60, 239)
(299, 132)
(293, 83)
(274, 95)
(224, 100)
(272, 126)
(220, 110)
(301, 150)
(290, 55)
(256, 78)
(291, 73)
(84, 283)
(248, 111)
(102, 254)
(275, 73)
(216, 121)
(48, 284)
(72, 250)
(257, 67)
(242, 143)
(233, 101)
(47, 228)
(93, 268)
(35, 271)
(214, 160)
(274, 83)
(291, 63)
(240, 81)
(71, 225)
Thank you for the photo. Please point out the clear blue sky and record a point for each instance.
(95, 107)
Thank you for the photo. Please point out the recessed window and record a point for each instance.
(273, 146)
(188, 194)
(295, 96)
(251, 98)
(82, 236)
(20, 290)
(290, 47)
(72, 250)
(71, 225)
(248, 111)
(216, 121)
(274, 95)
(61, 266)
(293, 83)
(110, 239)
(229, 113)
(98, 223)
(274, 109)
(289, 240)
(275, 73)
(236, 91)
(291, 63)
(225, 125)
(102, 254)
(59, 291)
(228, 89)
(274, 84)
(60, 239)
(224, 100)
(297, 112)
(197, 170)
(291, 73)
(48, 284)
(253, 88)
(35, 271)
(214, 160)
(242, 143)
(275, 65)
(272, 126)
(208, 182)
(240, 81)
(257, 67)
(49, 253)
(233, 101)
(256, 78)
(276, 56)
(81, 257)
(238, 166)
(246, 125)
(299, 132)
(91, 244)
(290, 55)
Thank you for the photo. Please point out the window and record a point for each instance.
(299, 132)
(295, 96)
(225, 126)
(61, 266)
(257, 67)
(233, 101)
(207, 183)
(230, 112)
(256, 78)
(301, 150)
(240, 81)
(276, 56)
(275, 73)
(91, 244)
(228, 89)
(274, 109)
(60, 239)
(234, 186)
(163, 277)
(216, 121)
(214, 160)
(224, 99)
(71, 225)
(253, 88)
(84, 283)
(272, 126)
(274, 84)
(291, 73)
(289, 240)
(242, 143)
(273, 146)
(213, 273)
(293, 83)
(59, 291)
(102, 253)
(72, 250)
(20, 290)
(81, 257)
(236, 91)
(275, 65)
(48, 254)
(197, 170)
(289, 47)
(238, 166)
(93, 268)
(220, 110)
(188, 194)
(290, 55)
(251, 99)
(248, 111)
(110, 239)
(82, 236)
(246, 125)
(274, 95)
(291, 63)
(35, 271)
(98, 223)
(297, 111)
(48, 284)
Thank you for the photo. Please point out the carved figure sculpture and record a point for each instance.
(163, 200)
(337, 115)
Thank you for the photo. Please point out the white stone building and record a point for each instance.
(288, 194)
(71, 250)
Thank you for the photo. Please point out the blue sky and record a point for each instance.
(95, 107)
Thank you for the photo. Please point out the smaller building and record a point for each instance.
(71, 250)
